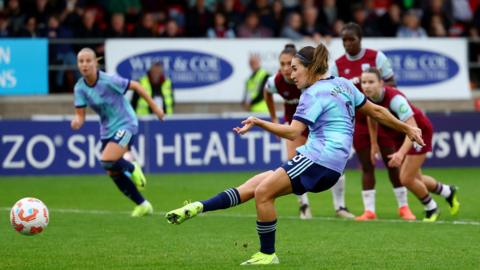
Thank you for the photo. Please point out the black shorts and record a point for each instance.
(305, 175)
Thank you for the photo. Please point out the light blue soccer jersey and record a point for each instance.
(106, 98)
(328, 109)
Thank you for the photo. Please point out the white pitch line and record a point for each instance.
(161, 213)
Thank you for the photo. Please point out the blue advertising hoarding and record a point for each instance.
(194, 145)
(23, 66)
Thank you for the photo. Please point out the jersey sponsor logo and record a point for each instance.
(420, 67)
(186, 69)
(346, 71)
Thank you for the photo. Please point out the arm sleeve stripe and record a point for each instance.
(361, 103)
(303, 120)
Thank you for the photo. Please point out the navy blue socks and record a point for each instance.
(225, 199)
(266, 232)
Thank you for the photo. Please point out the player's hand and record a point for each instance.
(396, 159)
(76, 124)
(374, 153)
(415, 134)
(355, 80)
(247, 125)
(159, 113)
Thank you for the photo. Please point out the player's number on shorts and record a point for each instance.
(350, 110)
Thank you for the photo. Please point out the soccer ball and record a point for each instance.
(29, 216)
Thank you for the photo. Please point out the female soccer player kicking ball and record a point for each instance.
(408, 157)
(282, 84)
(327, 107)
(118, 124)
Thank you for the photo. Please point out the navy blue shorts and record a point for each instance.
(306, 175)
(122, 137)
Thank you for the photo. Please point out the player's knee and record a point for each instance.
(406, 179)
(262, 194)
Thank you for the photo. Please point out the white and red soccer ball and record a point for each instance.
(29, 216)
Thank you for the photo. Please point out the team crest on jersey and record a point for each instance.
(119, 134)
(346, 71)
(365, 66)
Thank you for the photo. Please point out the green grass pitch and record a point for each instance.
(90, 227)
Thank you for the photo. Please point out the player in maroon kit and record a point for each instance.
(408, 156)
(280, 83)
(350, 66)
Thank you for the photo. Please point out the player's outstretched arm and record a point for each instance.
(290, 132)
(138, 88)
(383, 116)
(78, 119)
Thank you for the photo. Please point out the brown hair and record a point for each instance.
(315, 60)
(374, 70)
(289, 49)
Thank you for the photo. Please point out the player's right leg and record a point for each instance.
(411, 178)
(368, 184)
(226, 199)
(120, 170)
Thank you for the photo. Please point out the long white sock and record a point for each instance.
(303, 199)
(401, 195)
(368, 197)
(338, 193)
(431, 205)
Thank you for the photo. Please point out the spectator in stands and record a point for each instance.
(220, 28)
(89, 27)
(411, 26)
(60, 53)
(5, 30)
(311, 27)
(41, 10)
(293, 27)
(390, 21)
(279, 15)
(252, 29)
(30, 28)
(171, 30)
(253, 100)
(159, 87)
(117, 27)
(327, 16)
(265, 13)
(199, 19)
(437, 8)
(232, 10)
(366, 19)
(131, 9)
(436, 27)
(147, 27)
(15, 15)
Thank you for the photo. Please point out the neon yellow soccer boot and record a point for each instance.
(260, 258)
(188, 211)
(138, 177)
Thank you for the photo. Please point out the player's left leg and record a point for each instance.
(275, 185)
(398, 189)
(226, 199)
(411, 178)
(449, 192)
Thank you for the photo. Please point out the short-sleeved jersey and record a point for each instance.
(328, 109)
(352, 67)
(106, 98)
(396, 102)
(276, 84)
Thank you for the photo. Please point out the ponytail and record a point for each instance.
(315, 60)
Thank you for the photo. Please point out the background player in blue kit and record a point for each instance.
(327, 107)
(104, 93)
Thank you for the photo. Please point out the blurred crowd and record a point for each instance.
(90, 20)
(304, 19)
